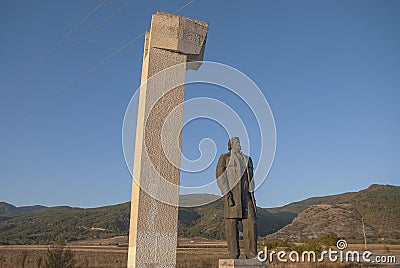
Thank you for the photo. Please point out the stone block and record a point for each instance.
(179, 34)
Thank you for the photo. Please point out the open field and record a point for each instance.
(190, 253)
(104, 256)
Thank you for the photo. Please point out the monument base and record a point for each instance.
(242, 263)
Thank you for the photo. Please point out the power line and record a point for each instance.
(182, 7)
(82, 75)
(59, 42)
(78, 44)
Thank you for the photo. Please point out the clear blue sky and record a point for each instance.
(330, 71)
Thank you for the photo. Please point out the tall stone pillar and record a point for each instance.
(173, 44)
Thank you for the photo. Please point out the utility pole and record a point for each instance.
(365, 238)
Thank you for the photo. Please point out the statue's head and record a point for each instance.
(234, 144)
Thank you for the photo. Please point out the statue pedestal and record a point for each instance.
(242, 263)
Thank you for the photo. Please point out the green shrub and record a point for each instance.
(328, 239)
(58, 256)
(275, 244)
(308, 245)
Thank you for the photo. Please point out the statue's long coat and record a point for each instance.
(227, 183)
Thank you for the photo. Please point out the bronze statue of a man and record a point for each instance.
(235, 180)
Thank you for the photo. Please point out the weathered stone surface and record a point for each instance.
(242, 263)
(179, 34)
(155, 188)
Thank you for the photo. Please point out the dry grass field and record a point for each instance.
(103, 256)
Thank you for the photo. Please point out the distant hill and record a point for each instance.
(195, 200)
(300, 206)
(378, 207)
(6, 208)
(40, 225)
(342, 219)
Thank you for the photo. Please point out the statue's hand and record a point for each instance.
(231, 202)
